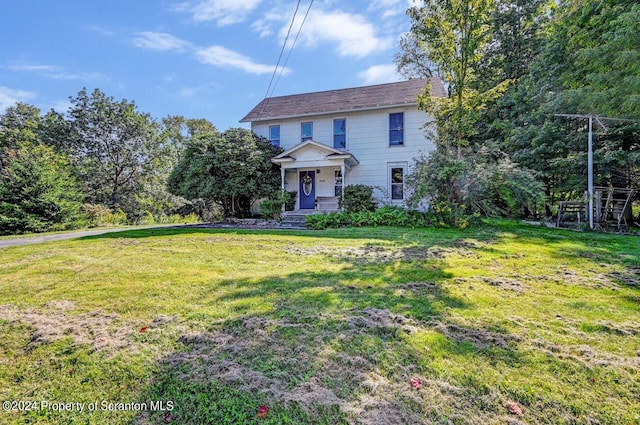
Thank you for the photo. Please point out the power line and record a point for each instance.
(286, 60)
(284, 45)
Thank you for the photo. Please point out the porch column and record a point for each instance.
(343, 172)
(282, 173)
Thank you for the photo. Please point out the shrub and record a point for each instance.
(357, 197)
(391, 216)
(272, 207)
(37, 191)
(99, 215)
(179, 219)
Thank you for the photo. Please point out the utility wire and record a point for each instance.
(270, 90)
(286, 60)
(284, 45)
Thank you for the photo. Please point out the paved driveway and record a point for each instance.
(71, 235)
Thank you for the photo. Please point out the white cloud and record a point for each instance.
(380, 74)
(352, 34)
(263, 27)
(56, 72)
(222, 57)
(9, 97)
(99, 30)
(160, 41)
(224, 12)
(390, 8)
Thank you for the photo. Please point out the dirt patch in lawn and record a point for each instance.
(318, 362)
(505, 283)
(381, 253)
(630, 277)
(55, 321)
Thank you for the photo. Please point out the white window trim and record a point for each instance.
(404, 129)
(405, 168)
(312, 130)
(346, 132)
(269, 132)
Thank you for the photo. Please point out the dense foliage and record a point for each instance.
(231, 169)
(440, 216)
(104, 163)
(357, 198)
(511, 66)
(37, 192)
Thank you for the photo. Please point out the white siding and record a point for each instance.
(367, 139)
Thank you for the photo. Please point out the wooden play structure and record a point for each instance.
(611, 206)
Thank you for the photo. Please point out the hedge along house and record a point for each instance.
(362, 135)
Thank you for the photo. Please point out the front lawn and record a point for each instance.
(504, 323)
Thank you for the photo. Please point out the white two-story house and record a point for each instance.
(362, 135)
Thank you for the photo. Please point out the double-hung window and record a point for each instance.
(340, 133)
(306, 129)
(396, 129)
(397, 173)
(274, 135)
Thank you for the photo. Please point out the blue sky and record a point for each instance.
(208, 59)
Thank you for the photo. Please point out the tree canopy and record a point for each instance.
(231, 169)
(511, 66)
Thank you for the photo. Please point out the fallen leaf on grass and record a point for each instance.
(416, 383)
(143, 329)
(514, 408)
(262, 411)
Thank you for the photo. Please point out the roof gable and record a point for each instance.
(344, 100)
(309, 143)
(312, 150)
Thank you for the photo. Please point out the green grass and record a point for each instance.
(325, 327)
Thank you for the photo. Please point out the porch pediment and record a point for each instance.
(312, 153)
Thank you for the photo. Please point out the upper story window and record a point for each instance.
(396, 129)
(306, 131)
(340, 133)
(274, 135)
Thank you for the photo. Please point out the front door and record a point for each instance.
(307, 190)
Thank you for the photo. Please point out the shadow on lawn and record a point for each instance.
(337, 347)
(343, 347)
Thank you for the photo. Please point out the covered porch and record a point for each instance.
(317, 172)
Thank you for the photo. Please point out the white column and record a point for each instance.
(282, 173)
(343, 172)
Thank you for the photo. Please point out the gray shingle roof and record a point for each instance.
(344, 100)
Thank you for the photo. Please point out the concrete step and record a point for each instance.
(293, 221)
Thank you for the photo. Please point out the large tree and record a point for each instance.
(38, 191)
(453, 36)
(469, 44)
(115, 148)
(589, 64)
(232, 169)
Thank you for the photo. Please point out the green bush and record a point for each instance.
(99, 215)
(389, 216)
(272, 207)
(179, 219)
(357, 197)
(290, 203)
(38, 193)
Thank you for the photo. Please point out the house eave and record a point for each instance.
(330, 112)
(282, 160)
